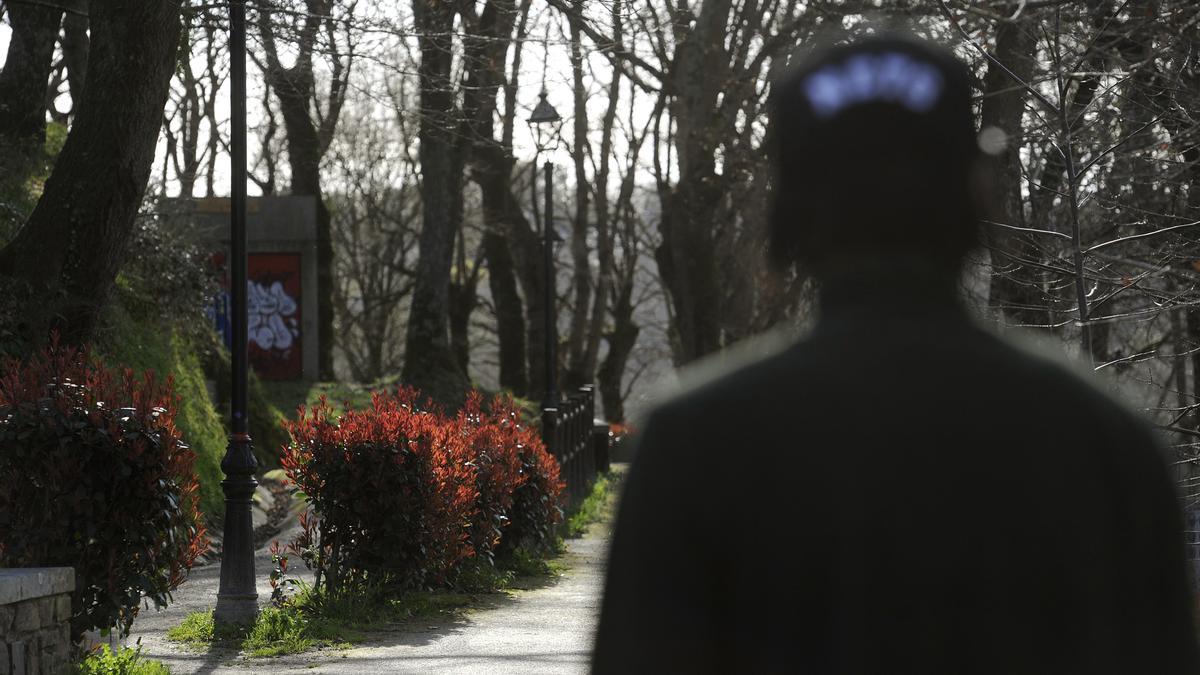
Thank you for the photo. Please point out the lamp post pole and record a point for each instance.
(551, 399)
(237, 598)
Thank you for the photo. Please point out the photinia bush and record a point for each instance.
(403, 496)
(537, 507)
(94, 475)
(393, 489)
(493, 445)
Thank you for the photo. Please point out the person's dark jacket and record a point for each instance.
(899, 492)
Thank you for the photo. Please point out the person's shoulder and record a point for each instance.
(1045, 368)
(737, 380)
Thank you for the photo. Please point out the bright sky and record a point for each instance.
(538, 62)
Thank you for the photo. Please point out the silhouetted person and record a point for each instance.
(900, 491)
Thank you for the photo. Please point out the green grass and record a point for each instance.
(422, 605)
(275, 632)
(199, 630)
(287, 630)
(288, 395)
(591, 510)
(124, 662)
(477, 575)
(309, 622)
(523, 563)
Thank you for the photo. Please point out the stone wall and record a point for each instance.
(35, 619)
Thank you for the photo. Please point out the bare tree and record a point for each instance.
(375, 211)
(310, 117)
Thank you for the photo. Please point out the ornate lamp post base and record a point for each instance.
(237, 599)
(240, 610)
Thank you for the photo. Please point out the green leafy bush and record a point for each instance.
(94, 475)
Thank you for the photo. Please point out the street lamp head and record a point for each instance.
(544, 121)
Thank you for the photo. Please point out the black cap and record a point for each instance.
(873, 143)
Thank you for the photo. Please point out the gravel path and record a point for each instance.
(541, 630)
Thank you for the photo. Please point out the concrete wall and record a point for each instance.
(35, 616)
(286, 224)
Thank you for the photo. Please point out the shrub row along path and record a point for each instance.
(547, 628)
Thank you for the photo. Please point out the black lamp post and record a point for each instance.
(237, 598)
(544, 121)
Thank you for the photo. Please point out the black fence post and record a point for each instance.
(580, 460)
(586, 419)
(549, 427)
(580, 445)
(600, 445)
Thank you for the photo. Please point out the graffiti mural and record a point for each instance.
(273, 309)
(273, 305)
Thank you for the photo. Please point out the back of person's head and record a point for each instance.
(875, 148)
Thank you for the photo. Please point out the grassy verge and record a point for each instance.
(308, 623)
(124, 662)
(594, 506)
(526, 564)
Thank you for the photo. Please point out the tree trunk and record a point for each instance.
(577, 373)
(304, 159)
(429, 362)
(294, 88)
(509, 243)
(687, 255)
(510, 319)
(492, 172)
(464, 297)
(1003, 107)
(620, 344)
(463, 300)
(1191, 211)
(74, 242)
(1184, 96)
(604, 234)
(687, 261)
(23, 80)
(75, 51)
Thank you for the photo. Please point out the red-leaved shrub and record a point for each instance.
(393, 489)
(94, 475)
(493, 443)
(402, 496)
(537, 503)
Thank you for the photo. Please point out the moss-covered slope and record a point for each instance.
(129, 343)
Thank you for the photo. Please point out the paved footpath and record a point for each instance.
(542, 630)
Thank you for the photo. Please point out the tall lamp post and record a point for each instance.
(544, 122)
(237, 598)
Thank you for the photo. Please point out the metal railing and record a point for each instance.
(580, 445)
